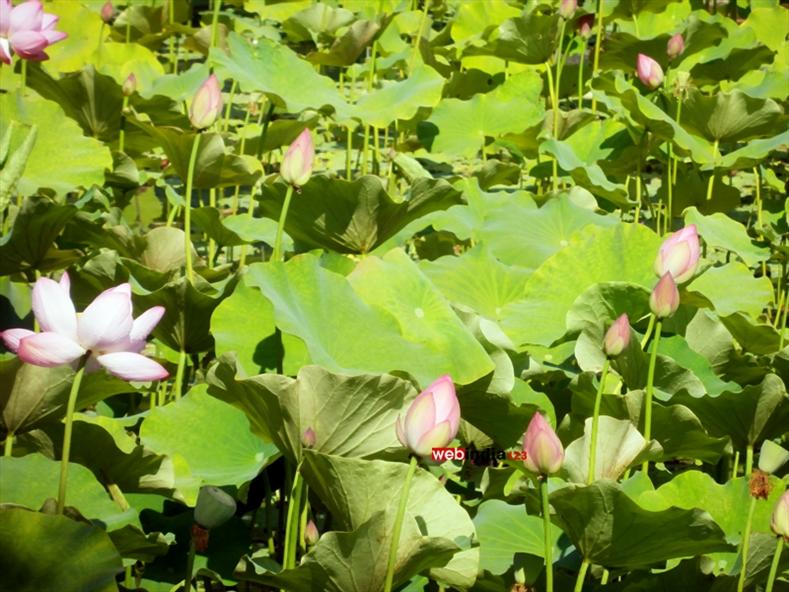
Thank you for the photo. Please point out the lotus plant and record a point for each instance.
(104, 335)
(675, 46)
(295, 170)
(649, 71)
(679, 255)
(26, 30)
(567, 8)
(779, 523)
(214, 507)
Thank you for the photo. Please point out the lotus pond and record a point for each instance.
(376, 295)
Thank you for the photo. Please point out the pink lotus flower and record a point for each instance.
(544, 450)
(207, 104)
(107, 12)
(26, 30)
(105, 331)
(675, 46)
(432, 419)
(780, 518)
(617, 337)
(567, 8)
(129, 85)
(664, 300)
(649, 71)
(679, 254)
(311, 534)
(296, 166)
(585, 24)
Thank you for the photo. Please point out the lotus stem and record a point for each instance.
(774, 565)
(292, 524)
(547, 544)
(748, 460)
(581, 75)
(277, 254)
(122, 132)
(190, 564)
(348, 144)
(178, 384)
(64, 457)
(211, 242)
(597, 43)
(398, 525)
(229, 106)
(595, 422)
(648, 333)
(8, 446)
(650, 389)
(215, 21)
(579, 581)
(746, 543)
(555, 109)
(188, 207)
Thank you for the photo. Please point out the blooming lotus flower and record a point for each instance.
(617, 337)
(649, 71)
(26, 30)
(105, 331)
(207, 104)
(679, 254)
(780, 518)
(585, 24)
(129, 85)
(296, 166)
(567, 8)
(544, 450)
(432, 419)
(664, 300)
(675, 46)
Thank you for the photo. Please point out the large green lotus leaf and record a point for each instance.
(622, 253)
(274, 69)
(317, 21)
(473, 19)
(400, 100)
(211, 439)
(758, 412)
(83, 24)
(253, 230)
(461, 128)
(353, 216)
(346, 49)
(350, 415)
(530, 38)
(505, 530)
(737, 54)
(210, 220)
(680, 353)
(355, 489)
(754, 152)
(30, 480)
(367, 336)
(477, 280)
(608, 527)
(38, 549)
(731, 116)
(622, 49)
(135, 545)
(754, 336)
(716, 286)
(724, 232)
(118, 60)
(81, 160)
(178, 87)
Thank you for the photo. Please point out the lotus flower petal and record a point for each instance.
(27, 16)
(420, 418)
(28, 43)
(11, 337)
(107, 320)
(131, 366)
(49, 349)
(53, 308)
(438, 437)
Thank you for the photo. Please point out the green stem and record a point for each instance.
(711, 182)
(736, 463)
(128, 28)
(648, 333)
(8, 447)
(581, 75)
(597, 42)
(122, 133)
(292, 524)
(64, 457)
(178, 384)
(547, 545)
(190, 173)
(555, 109)
(211, 242)
(303, 520)
(650, 389)
(559, 64)
(229, 106)
(748, 461)
(595, 422)
(190, 564)
(774, 565)
(23, 72)
(638, 190)
(348, 143)
(365, 149)
(215, 22)
(171, 55)
(242, 260)
(398, 526)
(277, 254)
(746, 543)
(579, 581)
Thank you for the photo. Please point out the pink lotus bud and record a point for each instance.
(432, 419)
(679, 254)
(311, 534)
(207, 104)
(617, 337)
(544, 450)
(107, 12)
(585, 24)
(649, 71)
(567, 8)
(296, 166)
(675, 46)
(664, 300)
(129, 85)
(308, 438)
(780, 519)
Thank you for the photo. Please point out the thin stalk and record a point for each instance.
(190, 564)
(579, 581)
(64, 457)
(774, 565)
(581, 74)
(559, 64)
(303, 520)
(712, 176)
(371, 73)
(215, 22)
(292, 524)
(748, 460)
(638, 191)
(398, 525)
(122, 133)
(348, 144)
(376, 152)
(648, 333)
(211, 242)
(277, 254)
(179, 375)
(188, 207)
(746, 544)
(128, 29)
(736, 466)
(555, 109)
(678, 119)
(172, 58)
(547, 545)
(418, 36)
(8, 446)
(650, 389)
(250, 215)
(241, 147)
(595, 421)
(606, 575)
(597, 43)
(229, 106)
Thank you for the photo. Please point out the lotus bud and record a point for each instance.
(780, 519)
(207, 104)
(675, 46)
(664, 300)
(129, 85)
(567, 8)
(308, 438)
(679, 254)
(772, 457)
(542, 447)
(432, 419)
(585, 24)
(296, 166)
(311, 534)
(214, 507)
(617, 337)
(649, 71)
(107, 12)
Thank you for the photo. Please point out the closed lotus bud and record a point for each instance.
(675, 46)
(664, 300)
(308, 438)
(780, 519)
(679, 254)
(214, 507)
(772, 457)
(585, 24)
(129, 85)
(296, 166)
(567, 8)
(649, 71)
(207, 104)
(544, 450)
(617, 337)
(311, 534)
(432, 419)
(107, 12)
